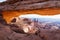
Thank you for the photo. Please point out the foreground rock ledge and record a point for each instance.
(7, 34)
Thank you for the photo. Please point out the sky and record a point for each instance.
(2, 0)
(40, 16)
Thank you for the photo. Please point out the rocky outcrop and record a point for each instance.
(34, 4)
(43, 34)
(2, 20)
(6, 33)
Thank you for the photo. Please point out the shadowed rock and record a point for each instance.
(29, 4)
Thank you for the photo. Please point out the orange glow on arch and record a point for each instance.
(9, 14)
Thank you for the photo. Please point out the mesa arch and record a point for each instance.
(10, 14)
(15, 8)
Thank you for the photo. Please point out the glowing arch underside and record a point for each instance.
(9, 14)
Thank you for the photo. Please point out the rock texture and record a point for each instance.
(43, 33)
(24, 24)
(29, 4)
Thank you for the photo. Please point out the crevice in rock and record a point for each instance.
(16, 29)
(2, 20)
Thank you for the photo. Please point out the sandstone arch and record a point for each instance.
(9, 14)
(14, 8)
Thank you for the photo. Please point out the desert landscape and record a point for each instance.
(29, 19)
(29, 29)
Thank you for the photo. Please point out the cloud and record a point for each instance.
(30, 16)
(39, 16)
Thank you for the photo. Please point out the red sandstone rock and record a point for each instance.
(29, 5)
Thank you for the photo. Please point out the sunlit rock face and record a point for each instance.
(25, 24)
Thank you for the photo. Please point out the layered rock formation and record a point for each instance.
(19, 7)
(29, 4)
